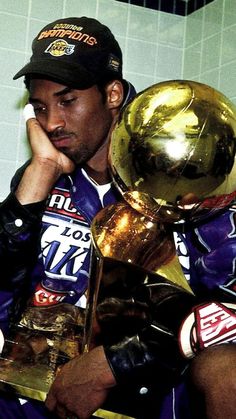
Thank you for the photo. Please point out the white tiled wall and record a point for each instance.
(209, 46)
(156, 46)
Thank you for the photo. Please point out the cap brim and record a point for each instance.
(62, 72)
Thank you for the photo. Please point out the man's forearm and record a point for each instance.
(37, 181)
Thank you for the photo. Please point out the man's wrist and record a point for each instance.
(37, 181)
(106, 377)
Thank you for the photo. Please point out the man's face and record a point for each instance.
(77, 121)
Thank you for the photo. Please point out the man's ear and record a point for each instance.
(115, 94)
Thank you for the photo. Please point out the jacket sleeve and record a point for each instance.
(19, 234)
(19, 237)
(19, 230)
(151, 357)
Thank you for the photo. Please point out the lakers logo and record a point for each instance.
(60, 47)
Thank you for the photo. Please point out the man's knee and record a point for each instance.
(212, 383)
(214, 367)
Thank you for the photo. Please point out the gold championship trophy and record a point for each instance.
(172, 157)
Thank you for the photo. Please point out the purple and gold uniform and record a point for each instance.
(208, 253)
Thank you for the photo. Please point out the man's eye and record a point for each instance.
(67, 101)
(38, 109)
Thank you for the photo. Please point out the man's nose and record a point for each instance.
(55, 120)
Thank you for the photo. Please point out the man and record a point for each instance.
(76, 86)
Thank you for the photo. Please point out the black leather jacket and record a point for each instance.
(145, 356)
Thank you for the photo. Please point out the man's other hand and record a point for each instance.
(81, 386)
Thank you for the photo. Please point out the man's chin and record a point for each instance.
(77, 159)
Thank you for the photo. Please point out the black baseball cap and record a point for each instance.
(75, 51)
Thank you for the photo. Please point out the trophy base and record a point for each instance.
(37, 346)
(29, 384)
(32, 355)
(30, 361)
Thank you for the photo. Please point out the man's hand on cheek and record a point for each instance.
(82, 385)
(43, 151)
(46, 165)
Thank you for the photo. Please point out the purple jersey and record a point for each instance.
(208, 253)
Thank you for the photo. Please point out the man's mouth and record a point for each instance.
(61, 141)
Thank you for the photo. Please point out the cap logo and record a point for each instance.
(60, 47)
(113, 63)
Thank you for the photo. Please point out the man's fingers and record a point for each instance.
(60, 409)
(30, 118)
(34, 128)
(50, 402)
(28, 112)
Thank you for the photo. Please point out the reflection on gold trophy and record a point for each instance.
(176, 139)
